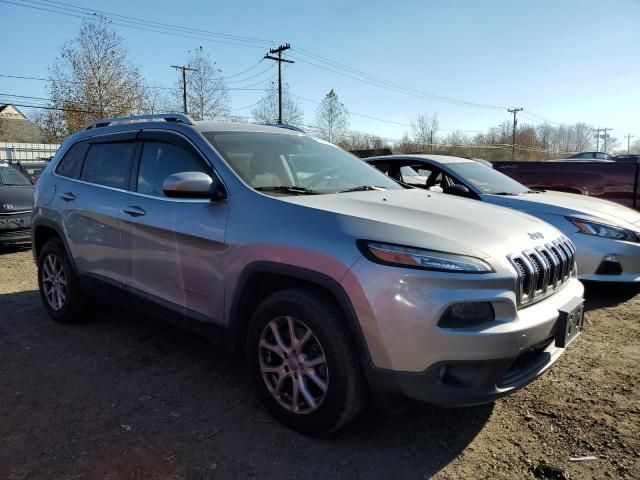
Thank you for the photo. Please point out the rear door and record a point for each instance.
(175, 246)
(91, 183)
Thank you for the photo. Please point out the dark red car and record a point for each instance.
(615, 181)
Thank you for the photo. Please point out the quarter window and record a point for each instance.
(70, 164)
(161, 159)
(109, 164)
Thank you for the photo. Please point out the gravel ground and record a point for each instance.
(125, 397)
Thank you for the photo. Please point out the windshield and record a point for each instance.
(10, 176)
(267, 160)
(486, 179)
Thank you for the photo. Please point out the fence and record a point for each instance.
(27, 151)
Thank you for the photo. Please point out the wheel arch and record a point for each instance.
(44, 230)
(260, 279)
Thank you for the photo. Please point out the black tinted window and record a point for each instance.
(159, 160)
(70, 164)
(109, 164)
(10, 176)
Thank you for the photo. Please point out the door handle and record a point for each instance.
(68, 196)
(134, 211)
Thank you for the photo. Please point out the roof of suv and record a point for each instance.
(437, 158)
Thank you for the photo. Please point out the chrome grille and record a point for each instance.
(543, 270)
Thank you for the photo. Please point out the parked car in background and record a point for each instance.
(589, 156)
(607, 180)
(606, 235)
(31, 168)
(337, 281)
(16, 203)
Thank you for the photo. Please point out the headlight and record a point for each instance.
(401, 256)
(602, 230)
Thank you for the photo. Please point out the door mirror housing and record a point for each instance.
(193, 185)
(459, 190)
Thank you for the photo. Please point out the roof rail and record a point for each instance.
(285, 126)
(167, 117)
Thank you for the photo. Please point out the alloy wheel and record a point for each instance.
(54, 281)
(293, 365)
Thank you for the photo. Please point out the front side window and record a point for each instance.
(9, 176)
(109, 164)
(161, 159)
(266, 160)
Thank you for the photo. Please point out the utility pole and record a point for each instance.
(604, 147)
(597, 139)
(431, 140)
(629, 137)
(279, 59)
(515, 122)
(184, 69)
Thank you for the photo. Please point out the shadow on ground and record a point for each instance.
(17, 248)
(124, 396)
(603, 295)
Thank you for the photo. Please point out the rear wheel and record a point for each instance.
(302, 362)
(59, 288)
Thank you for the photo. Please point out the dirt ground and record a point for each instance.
(125, 397)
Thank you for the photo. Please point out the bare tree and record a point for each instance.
(207, 94)
(267, 108)
(425, 127)
(91, 78)
(332, 117)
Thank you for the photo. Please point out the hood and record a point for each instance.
(568, 204)
(19, 197)
(433, 220)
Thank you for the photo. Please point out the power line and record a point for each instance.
(139, 25)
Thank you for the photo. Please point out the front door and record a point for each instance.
(175, 246)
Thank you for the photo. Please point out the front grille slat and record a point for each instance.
(543, 271)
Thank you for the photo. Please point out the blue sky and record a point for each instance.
(566, 60)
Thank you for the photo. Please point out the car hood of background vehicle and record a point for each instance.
(21, 197)
(433, 220)
(568, 204)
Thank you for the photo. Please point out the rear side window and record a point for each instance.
(159, 160)
(71, 163)
(109, 164)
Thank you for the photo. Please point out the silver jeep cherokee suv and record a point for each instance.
(337, 282)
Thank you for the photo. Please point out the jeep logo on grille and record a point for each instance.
(7, 206)
(535, 235)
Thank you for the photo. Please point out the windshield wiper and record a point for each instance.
(362, 188)
(505, 193)
(288, 189)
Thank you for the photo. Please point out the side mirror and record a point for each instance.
(192, 185)
(459, 190)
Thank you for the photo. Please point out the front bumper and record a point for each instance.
(20, 235)
(398, 312)
(15, 228)
(592, 251)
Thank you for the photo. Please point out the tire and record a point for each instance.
(53, 266)
(345, 392)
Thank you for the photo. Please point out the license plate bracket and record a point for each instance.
(570, 322)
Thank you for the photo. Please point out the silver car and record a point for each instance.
(338, 283)
(606, 234)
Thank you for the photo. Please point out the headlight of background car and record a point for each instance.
(602, 230)
(401, 256)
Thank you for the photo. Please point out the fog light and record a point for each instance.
(470, 314)
(610, 265)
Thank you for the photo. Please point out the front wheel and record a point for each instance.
(302, 362)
